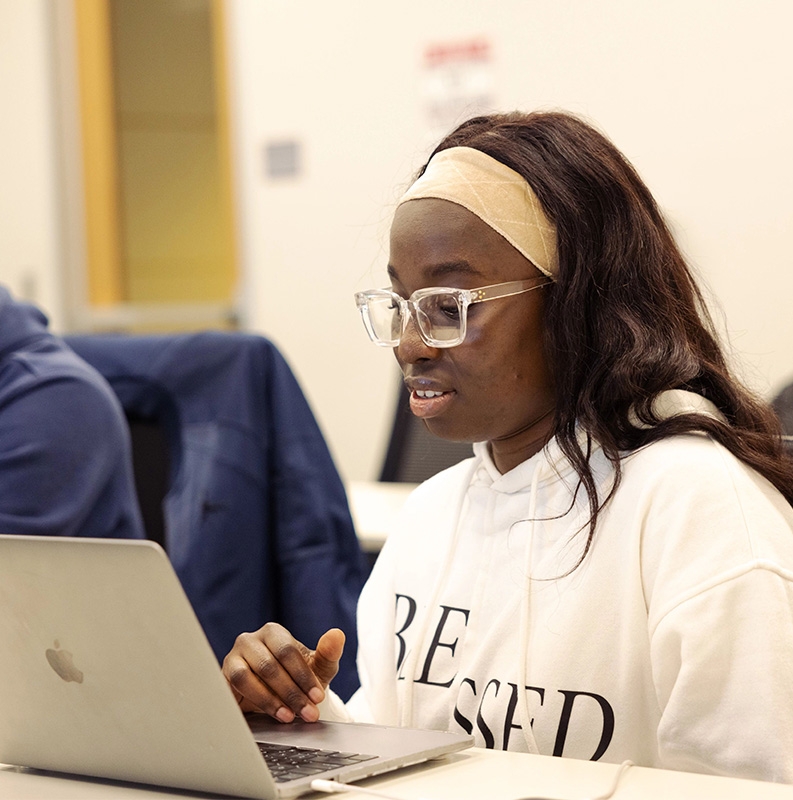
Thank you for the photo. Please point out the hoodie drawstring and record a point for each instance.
(525, 617)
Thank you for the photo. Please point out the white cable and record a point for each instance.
(334, 787)
(612, 791)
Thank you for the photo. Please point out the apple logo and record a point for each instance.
(61, 661)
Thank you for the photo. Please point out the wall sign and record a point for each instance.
(457, 82)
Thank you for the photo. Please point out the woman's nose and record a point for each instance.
(412, 347)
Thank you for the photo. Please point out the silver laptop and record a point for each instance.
(105, 671)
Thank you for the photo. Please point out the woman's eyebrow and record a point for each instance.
(444, 268)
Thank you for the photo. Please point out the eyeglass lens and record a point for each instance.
(443, 316)
(439, 316)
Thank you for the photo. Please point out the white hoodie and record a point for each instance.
(670, 645)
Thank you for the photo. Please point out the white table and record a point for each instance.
(374, 506)
(471, 775)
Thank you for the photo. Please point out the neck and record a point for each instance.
(521, 445)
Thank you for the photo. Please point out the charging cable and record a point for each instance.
(610, 793)
(623, 768)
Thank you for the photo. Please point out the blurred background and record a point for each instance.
(170, 165)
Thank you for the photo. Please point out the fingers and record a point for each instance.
(265, 701)
(270, 671)
(325, 659)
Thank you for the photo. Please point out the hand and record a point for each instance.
(270, 671)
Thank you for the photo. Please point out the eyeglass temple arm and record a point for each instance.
(506, 289)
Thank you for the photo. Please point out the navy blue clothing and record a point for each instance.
(65, 464)
(257, 524)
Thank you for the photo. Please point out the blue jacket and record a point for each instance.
(65, 467)
(257, 524)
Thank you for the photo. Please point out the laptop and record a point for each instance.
(106, 672)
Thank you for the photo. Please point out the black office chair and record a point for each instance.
(783, 405)
(151, 466)
(413, 453)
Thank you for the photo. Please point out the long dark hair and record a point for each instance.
(625, 319)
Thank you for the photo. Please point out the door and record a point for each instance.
(160, 244)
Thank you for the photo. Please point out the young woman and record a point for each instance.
(610, 576)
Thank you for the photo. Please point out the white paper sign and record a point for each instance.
(457, 82)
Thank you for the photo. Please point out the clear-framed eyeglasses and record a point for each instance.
(441, 313)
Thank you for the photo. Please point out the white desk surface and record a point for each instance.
(471, 775)
(374, 506)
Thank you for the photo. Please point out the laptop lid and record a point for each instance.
(105, 671)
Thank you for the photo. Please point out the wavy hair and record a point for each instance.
(625, 319)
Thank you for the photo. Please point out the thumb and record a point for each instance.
(325, 661)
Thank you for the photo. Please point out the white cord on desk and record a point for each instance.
(333, 787)
(612, 791)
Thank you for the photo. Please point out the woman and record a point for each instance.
(610, 576)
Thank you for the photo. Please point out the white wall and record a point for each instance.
(30, 227)
(697, 94)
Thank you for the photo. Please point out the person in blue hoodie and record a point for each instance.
(65, 461)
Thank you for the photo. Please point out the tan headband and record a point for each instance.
(498, 195)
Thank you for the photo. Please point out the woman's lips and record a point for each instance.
(427, 403)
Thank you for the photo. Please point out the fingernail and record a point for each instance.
(284, 714)
(309, 713)
(316, 695)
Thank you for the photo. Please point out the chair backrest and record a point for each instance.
(413, 453)
(151, 465)
(255, 517)
(783, 406)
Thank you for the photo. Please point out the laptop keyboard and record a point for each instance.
(287, 763)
